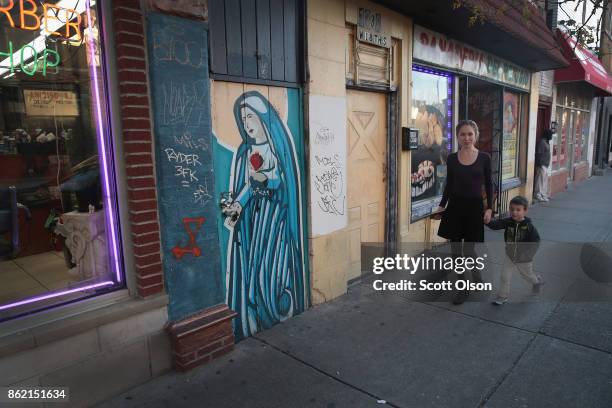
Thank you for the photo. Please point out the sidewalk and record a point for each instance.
(369, 350)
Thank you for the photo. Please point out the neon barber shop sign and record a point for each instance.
(62, 20)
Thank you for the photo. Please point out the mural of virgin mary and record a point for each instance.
(265, 268)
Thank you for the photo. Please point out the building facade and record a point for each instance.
(186, 174)
(578, 89)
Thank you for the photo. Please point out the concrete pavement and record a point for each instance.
(368, 349)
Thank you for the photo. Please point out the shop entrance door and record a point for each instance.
(367, 149)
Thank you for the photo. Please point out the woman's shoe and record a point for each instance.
(500, 301)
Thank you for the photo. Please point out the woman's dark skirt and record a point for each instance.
(462, 219)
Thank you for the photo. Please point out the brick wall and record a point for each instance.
(128, 21)
(581, 171)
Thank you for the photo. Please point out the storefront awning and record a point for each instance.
(584, 66)
(525, 41)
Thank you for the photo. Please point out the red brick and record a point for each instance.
(129, 26)
(151, 280)
(209, 349)
(137, 172)
(140, 147)
(126, 63)
(224, 350)
(202, 338)
(124, 50)
(139, 159)
(147, 249)
(146, 194)
(135, 112)
(145, 228)
(132, 88)
(144, 216)
(186, 358)
(151, 290)
(131, 39)
(142, 205)
(145, 182)
(132, 14)
(149, 270)
(228, 340)
(134, 100)
(132, 76)
(148, 259)
(140, 124)
(186, 366)
(143, 239)
(132, 4)
(136, 135)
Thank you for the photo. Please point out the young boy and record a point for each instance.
(522, 242)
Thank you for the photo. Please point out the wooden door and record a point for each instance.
(367, 136)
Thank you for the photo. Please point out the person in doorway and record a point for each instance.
(522, 242)
(462, 208)
(542, 161)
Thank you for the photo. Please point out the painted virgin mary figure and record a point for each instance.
(265, 269)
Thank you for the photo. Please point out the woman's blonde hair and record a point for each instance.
(470, 123)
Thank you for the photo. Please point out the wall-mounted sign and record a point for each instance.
(438, 49)
(50, 103)
(370, 28)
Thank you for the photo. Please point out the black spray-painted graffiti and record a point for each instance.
(329, 182)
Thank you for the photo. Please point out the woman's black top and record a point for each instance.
(466, 181)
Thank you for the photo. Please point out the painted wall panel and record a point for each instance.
(327, 163)
(180, 91)
(259, 163)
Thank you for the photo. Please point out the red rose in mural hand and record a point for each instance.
(256, 160)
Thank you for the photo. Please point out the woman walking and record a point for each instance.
(464, 216)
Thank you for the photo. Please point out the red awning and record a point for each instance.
(584, 66)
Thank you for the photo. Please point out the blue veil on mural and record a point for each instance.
(265, 268)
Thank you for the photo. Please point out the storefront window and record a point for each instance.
(432, 109)
(58, 218)
(510, 136)
(585, 136)
(562, 142)
(578, 141)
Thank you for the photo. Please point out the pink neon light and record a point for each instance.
(52, 295)
(106, 183)
(102, 144)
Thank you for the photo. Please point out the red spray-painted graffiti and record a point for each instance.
(191, 247)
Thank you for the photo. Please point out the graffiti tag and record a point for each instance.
(324, 136)
(191, 247)
(329, 182)
(201, 194)
(166, 47)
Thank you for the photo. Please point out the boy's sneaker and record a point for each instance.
(537, 286)
(500, 301)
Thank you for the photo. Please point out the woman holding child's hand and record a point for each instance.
(464, 215)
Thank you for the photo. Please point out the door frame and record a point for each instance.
(391, 233)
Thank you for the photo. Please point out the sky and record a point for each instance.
(566, 12)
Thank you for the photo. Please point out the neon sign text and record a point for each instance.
(52, 16)
(47, 57)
